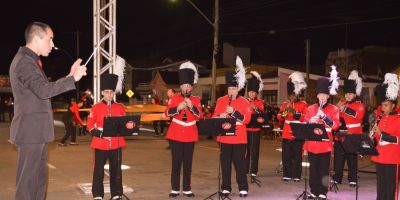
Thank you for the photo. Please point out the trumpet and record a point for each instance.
(372, 131)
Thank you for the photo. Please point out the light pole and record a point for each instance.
(215, 26)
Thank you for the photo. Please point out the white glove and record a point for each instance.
(320, 114)
(314, 120)
(223, 115)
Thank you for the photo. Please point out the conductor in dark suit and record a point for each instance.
(32, 126)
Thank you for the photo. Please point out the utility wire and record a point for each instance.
(272, 31)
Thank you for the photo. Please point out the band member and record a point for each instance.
(387, 134)
(254, 86)
(233, 148)
(185, 110)
(319, 152)
(351, 115)
(72, 115)
(292, 111)
(106, 148)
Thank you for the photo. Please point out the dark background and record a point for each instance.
(151, 30)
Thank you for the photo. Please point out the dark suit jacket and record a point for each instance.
(33, 115)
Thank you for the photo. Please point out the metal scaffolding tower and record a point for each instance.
(104, 41)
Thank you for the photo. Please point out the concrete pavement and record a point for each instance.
(150, 169)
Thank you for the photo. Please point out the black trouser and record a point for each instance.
(235, 153)
(31, 172)
(387, 178)
(291, 158)
(114, 159)
(70, 131)
(319, 172)
(253, 151)
(2, 116)
(182, 154)
(155, 126)
(340, 156)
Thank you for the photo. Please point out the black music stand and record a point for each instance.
(121, 126)
(308, 132)
(359, 144)
(259, 120)
(218, 127)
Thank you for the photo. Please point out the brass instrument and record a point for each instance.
(289, 109)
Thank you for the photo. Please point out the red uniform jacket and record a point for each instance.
(389, 153)
(75, 110)
(259, 104)
(95, 120)
(179, 130)
(300, 107)
(331, 122)
(353, 115)
(242, 113)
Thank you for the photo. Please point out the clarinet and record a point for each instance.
(372, 131)
(229, 102)
(184, 118)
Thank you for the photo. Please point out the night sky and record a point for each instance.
(151, 30)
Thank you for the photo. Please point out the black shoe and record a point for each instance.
(173, 194)
(62, 144)
(225, 193)
(188, 193)
(353, 184)
(117, 198)
(311, 196)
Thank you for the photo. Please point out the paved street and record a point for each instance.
(149, 174)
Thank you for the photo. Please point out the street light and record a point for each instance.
(215, 26)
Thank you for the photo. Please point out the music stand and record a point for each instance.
(258, 120)
(121, 126)
(217, 127)
(308, 132)
(359, 144)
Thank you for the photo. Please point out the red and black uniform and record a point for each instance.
(106, 148)
(291, 148)
(233, 148)
(388, 160)
(253, 139)
(319, 152)
(72, 115)
(182, 134)
(351, 118)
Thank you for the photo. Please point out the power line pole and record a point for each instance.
(215, 52)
